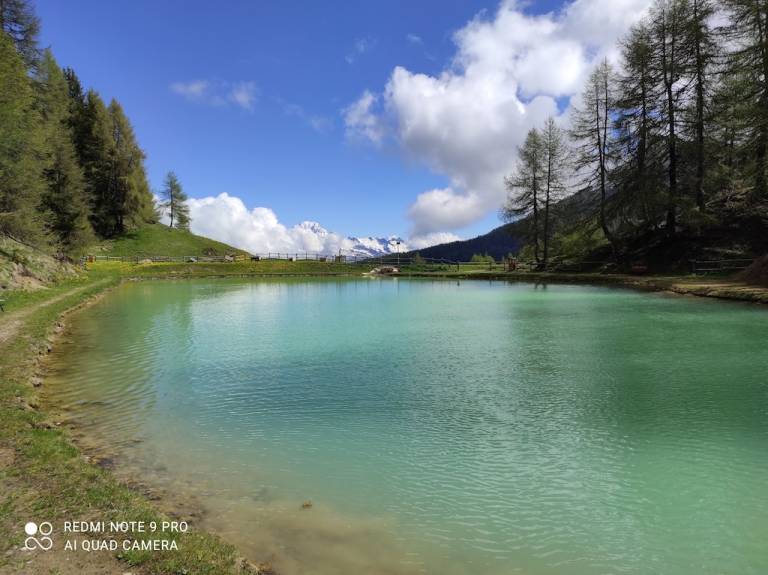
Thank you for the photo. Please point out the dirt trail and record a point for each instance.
(11, 322)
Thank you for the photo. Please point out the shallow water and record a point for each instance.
(438, 427)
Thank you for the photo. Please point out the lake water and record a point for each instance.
(438, 427)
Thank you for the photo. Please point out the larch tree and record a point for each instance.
(64, 199)
(638, 128)
(21, 183)
(591, 131)
(175, 202)
(524, 188)
(554, 163)
(19, 22)
(748, 32)
(704, 49)
(672, 60)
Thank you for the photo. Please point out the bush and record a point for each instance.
(482, 259)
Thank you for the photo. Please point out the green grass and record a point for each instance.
(160, 240)
(246, 268)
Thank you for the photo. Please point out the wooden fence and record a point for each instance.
(718, 266)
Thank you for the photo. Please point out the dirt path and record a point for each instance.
(11, 322)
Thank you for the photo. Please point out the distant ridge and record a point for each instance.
(497, 243)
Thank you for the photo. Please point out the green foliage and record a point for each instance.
(482, 259)
(21, 183)
(21, 25)
(64, 199)
(69, 165)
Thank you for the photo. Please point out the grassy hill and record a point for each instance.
(160, 240)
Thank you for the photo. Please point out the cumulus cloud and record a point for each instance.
(242, 94)
(506, 76)
(258, 230)
(361, 121)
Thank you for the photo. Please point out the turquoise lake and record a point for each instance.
(436, 427)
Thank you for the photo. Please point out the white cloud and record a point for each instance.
(414, 39)
(361, 121)
(421, 242)
(243, 94)
(360, 47)
(505, 77)
(226, 218)
(192, 90)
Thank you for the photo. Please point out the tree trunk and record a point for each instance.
(546, 209)
(667, 62)
(601, 126)
(699, 181)
(536, 220)
(761, 145)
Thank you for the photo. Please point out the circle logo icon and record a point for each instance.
(39, 536)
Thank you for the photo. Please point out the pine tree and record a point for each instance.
(175, 202)
(19, 22)
(20, 149)
(524, 188)
(64, 200)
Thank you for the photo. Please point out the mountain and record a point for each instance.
(313, 234)
(371, 246)
(497, 243)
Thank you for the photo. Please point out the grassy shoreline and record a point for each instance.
(42, 473)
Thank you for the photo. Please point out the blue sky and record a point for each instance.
(288, 143)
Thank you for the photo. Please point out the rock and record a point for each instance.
(265, 569)
(145, 261)
(228, 258)
(306, 505)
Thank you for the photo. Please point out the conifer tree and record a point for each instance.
(669, 29)
(748, 32)
(554, 164)
(20, 149)
(19, 22)
(638, 170)
(524, 188)
(129, 200)
(64, 199)
(593, 137)
(174, 203)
